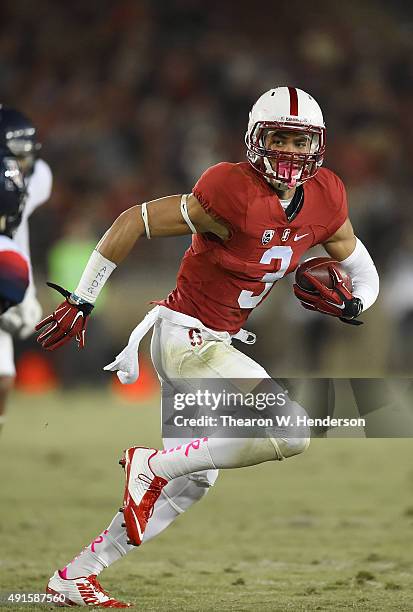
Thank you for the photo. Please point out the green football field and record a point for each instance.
(328, 530)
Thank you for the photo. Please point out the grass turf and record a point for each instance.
(328, 530)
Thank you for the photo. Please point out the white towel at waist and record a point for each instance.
(126, 364)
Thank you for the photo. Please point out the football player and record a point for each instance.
(18, 138)
(14, 265)
(251, 223)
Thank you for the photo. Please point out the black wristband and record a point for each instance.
(353, 308)
(81, 305)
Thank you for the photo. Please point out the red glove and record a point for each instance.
(67, 321)
(337, 302)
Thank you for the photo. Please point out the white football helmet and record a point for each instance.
(286, 109)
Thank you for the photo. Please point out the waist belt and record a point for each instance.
(126, 364)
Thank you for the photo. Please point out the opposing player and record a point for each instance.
(14, 265)
(18, 137)
(252, 222)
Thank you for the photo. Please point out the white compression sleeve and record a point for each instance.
(361, 269)
(97, 271)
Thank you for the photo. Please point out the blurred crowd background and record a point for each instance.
(134, 99)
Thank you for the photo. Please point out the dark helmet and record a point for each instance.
(18, 135)
(12, 194)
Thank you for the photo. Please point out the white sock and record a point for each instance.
(213, 453)
(112, 545)
(107, 548)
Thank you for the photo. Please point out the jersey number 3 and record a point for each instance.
(283, 253)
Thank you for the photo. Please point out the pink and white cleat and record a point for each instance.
(82, 591)
(143, 487)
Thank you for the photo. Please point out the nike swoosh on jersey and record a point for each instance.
(297, 237)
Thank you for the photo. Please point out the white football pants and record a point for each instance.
(178, 355)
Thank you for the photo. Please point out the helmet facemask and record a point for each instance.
(286, 170)
(23, 145)
(13, 193)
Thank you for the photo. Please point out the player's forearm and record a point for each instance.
(120, 238)
(111, 250)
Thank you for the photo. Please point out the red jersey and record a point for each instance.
(220, 282)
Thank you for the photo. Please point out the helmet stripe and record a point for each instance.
(293, 101)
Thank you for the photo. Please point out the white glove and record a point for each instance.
(21, 319)
(11, 321)
(31, 313)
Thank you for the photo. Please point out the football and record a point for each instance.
(318, 267)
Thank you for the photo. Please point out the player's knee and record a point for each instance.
(204, 480)
(296, 446)
(192, 488)
(299, 439)
(288, 447)
(194, 493)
